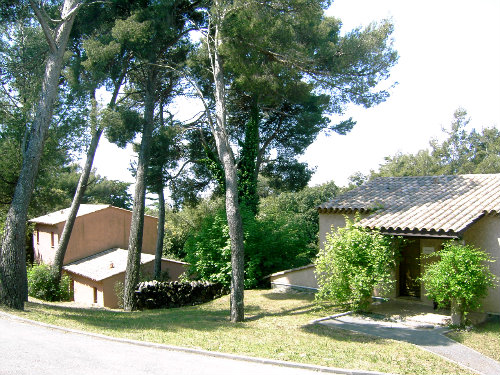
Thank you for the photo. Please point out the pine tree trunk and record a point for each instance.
(231, 179)
(137, 225)
(161, 233)
(248, 163)
(13, 279)
(75, 204)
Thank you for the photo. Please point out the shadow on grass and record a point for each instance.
(207, 317)
(192, 317)
(308, 306)
(299, 296)
(338, 334)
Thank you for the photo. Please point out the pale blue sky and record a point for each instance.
(449, 58)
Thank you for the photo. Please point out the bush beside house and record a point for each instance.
(460, 279)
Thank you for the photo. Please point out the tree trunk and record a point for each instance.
(137, 226)
(13, 279)
(84, 178)
(248, 168)
(161, 233)
(231, 179)
(457, 313)
(80, 190)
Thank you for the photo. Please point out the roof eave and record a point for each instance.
(421, 233)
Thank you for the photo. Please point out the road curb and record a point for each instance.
(320, 369)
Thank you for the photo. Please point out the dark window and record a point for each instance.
(52, 239)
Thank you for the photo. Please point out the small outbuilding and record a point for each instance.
(427, 210)
(96, 257)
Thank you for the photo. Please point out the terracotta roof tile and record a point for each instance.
(441, 204)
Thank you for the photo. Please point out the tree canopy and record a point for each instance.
(463, 151)
(270, 76)
(288, 68)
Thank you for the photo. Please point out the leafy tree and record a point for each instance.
(272, 243)
(21, 65)
(263, 55)
(218, 129)
(99, 189)
(462, 152)
(283, 235)
(354, 261)
(282, 85)
(86, 78)
(180, 225)
(13, 278)
(157, 34)
(460, 277)
(299, 208)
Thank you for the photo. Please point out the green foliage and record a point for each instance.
(271, 244)
(23, 49)
(299, 208)
(461, 275)
(287, 68)
(283, 235)
(287, 174)
(42, 284)
(354, 261)
(209, 250)
(462, 152)
(180, 225)
(99, 189)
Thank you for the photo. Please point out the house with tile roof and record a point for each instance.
(96, 256)
(427, 210)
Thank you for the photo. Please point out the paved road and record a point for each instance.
(27, 349)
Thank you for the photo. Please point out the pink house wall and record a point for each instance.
(85, 290)
(92, 233)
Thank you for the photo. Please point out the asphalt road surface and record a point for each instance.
(27, 348)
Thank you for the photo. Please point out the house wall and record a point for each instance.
(92, 233)
(110, 298)
(85, 290)
(174, 268)
(106, 294)
(44, 252)
(327, 221)
(485, 234)
(298, 278)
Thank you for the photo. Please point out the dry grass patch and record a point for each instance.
(277, 326)
(484, 338)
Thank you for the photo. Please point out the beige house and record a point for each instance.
(427, 211)
(96, 257)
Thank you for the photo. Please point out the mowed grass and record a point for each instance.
(277, 326)
(484, 338)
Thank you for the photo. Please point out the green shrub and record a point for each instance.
(271, 244)
(460, 278)
(42, 284)
(354, 261)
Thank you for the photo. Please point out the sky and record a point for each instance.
(449, 57)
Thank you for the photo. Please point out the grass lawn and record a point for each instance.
(276, 326)
(484, 338)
